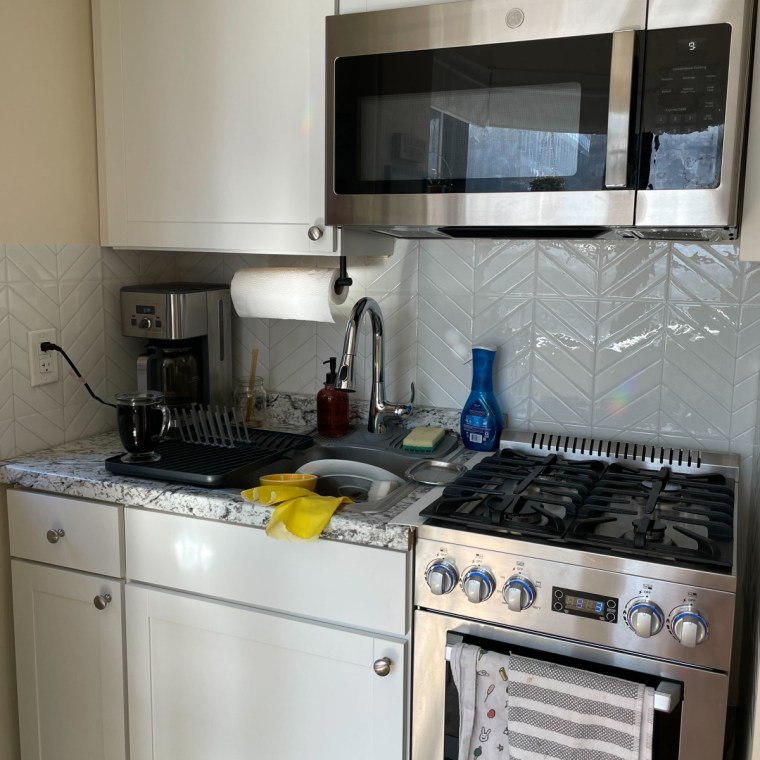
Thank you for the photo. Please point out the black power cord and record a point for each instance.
(47, 346)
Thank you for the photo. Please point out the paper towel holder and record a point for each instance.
(343, 279)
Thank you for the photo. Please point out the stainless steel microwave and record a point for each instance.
(552, 117)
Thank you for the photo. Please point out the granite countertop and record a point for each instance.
(77, 470)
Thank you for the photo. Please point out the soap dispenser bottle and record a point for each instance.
(481, 420)
(332, 406)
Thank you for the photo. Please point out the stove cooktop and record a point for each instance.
(662, 505)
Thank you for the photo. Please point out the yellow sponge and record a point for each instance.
(423, 439)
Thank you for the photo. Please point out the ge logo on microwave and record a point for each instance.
(514, 18)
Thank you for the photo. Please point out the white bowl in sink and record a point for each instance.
(323, 467)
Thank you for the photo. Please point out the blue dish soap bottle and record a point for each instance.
(481, 420)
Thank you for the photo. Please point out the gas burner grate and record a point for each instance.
(518, 494)
(659, 514)
(635, 504)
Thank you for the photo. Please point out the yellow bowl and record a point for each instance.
(300, 479)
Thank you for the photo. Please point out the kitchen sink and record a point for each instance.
(369, 488)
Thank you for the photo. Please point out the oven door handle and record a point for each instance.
(667, 695)
(619, 116)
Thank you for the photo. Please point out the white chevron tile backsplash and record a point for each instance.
(505, 268)
(635, 270)
(705, 273)
(79, 262)
(82, 336)
(6, 371)
(628, 371)
(31, 263)
(567, 269)
(744, 406)
(639, 340)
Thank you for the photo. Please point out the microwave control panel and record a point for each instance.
(684, 107)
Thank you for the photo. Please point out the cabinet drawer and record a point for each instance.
(91, 537)
(357, 586)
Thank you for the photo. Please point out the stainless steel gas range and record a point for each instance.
(613, 557)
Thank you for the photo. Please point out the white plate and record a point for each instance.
(348, 467)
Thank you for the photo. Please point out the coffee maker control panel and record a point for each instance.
(170, 314)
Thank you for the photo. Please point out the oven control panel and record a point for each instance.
(571, 602)
(597, 606)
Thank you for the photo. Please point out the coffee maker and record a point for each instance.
(188, 356)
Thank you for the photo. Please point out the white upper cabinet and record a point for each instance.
(211, 124)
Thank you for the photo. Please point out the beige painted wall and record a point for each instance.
(48, 168)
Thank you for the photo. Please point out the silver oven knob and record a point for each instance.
(145, 324)
(519, 593)
(688, 625)
(644, 618)
(478, 584)
(441, 575)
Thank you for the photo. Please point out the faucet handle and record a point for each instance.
(404, 410)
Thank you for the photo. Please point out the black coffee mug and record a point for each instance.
(142, 419)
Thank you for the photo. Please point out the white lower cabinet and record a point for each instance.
(69, 663)
(214, 680)
(242, 647)
(66, 568)
(222, 644)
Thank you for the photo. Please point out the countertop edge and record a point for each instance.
(76, 470)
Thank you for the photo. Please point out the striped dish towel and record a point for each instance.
(561, 713)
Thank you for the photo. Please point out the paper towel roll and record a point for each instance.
(289, 293)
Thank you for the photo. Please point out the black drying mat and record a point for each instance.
(212, 466)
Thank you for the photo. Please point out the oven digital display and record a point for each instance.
(570, 602)
(145, 309)
(584, 605)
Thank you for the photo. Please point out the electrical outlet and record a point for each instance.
(43, 365)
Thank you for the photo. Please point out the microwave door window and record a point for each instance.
(517, 117)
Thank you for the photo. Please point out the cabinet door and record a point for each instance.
(208, 679)
(70, 664)
(211, 123)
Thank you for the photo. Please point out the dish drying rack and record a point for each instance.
(210, 427)
(215, 449)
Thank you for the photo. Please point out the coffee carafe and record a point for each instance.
(175, 370)
(189, 339)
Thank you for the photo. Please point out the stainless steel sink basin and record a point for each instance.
(371, 449)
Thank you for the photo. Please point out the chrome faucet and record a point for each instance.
(379, 408)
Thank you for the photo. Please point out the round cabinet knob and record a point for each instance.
(644, 618)
(382, 666)
(478, 584)
(519, 593)
(688, 625)
(54, 535)
(315, 233)
(441, 575)
(101, 601)
(145, 324)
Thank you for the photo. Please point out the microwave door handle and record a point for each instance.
(619, 117)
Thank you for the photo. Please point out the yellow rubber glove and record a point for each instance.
(303, 518)
(301, 515)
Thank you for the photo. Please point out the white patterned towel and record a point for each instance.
(481, 679)
(561, 713)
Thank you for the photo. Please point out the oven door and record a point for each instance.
(471, 114)
(693, 728)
